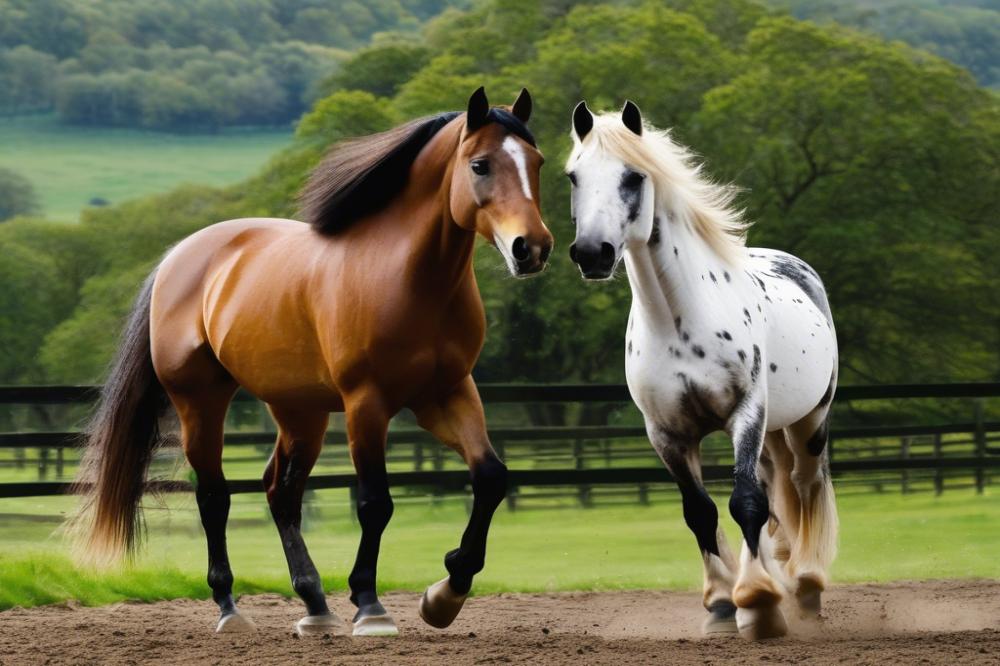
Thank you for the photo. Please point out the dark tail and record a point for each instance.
(121, 440)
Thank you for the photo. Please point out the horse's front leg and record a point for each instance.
(681, 454)
(458, 421)
(756, 594)
(367, 423)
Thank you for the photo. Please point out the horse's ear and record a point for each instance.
(479, 108)
(583, 120)
(632, 117)
(522, 106)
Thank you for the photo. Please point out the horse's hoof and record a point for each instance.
(761, 623)
(809, 597)
(235, 623)
(320, 625)
(440, 604)
(375, 625)
(721, 619)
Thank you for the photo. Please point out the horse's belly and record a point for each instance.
(801, 354)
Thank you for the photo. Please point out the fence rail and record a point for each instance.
(976, 457)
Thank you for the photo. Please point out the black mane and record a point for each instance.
(360, 176)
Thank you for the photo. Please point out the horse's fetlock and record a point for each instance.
(306, 585)
(220, 578)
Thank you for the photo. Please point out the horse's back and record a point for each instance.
(801, 343)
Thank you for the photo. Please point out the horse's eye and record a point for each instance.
(633, 180)
(480, 167)
(572, 178)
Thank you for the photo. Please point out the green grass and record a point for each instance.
(883, 537)
(68, 166)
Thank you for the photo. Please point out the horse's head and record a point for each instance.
(612, 200)
(494, 186)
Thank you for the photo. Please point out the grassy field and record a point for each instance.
(71, 165)
(884, 537)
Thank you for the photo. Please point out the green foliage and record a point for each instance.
(857, 156)
(188, 64)
(345, 114)
(105, 302)
(966, 32)
(873, 161)
(31, 302)
(380, 70)
(17, 196)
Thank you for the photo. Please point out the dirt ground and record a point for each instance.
(946, 622)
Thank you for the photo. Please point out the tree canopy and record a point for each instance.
(874, 161)
(185, 64)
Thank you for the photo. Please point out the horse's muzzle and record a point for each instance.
(596, 261)
(529, 259)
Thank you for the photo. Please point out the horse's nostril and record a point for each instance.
(520, 249)
(607, 252)
(544, 255)
(572, 253)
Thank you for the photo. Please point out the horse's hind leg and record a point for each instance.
(775, 470)
(367, 423)
(300, 438)
(815, 543)
(682, 456)
(202, 415)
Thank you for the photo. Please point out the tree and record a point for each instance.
(26, 79)
(380, 70)
(858, 157)
(17, 196)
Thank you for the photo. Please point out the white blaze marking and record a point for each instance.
(516, 153)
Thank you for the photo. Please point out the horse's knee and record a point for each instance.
(749, 508)
(489, 480)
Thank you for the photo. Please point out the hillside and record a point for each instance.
(185, 64)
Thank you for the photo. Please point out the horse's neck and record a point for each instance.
(440, 250)
(673, 277)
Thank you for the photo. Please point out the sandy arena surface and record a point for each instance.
(945, 622)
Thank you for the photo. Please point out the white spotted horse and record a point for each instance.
(720, 337)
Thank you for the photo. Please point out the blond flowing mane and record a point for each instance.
(705, 206)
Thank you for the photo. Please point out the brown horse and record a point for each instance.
(370, 308)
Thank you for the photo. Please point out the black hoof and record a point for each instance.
(721, 619)
(375, 609)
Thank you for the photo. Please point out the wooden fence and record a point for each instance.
(577, 459)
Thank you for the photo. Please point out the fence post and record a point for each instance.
(904, 474)
(980, 439)
(583, 492)
(43, 463)
(644, 494)
(938, 473)
(418, 456)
